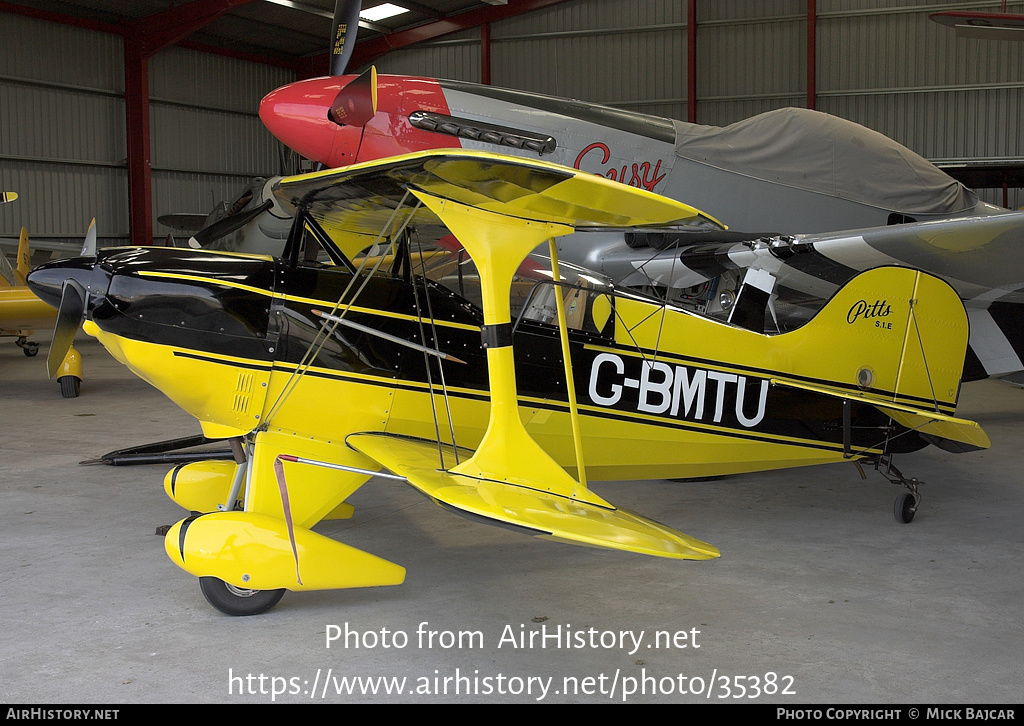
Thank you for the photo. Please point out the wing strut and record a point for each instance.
(499, 244)
(563, 334)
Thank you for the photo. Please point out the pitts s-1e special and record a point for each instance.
(496, 385)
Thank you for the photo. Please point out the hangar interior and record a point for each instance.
(63, 71)
(820, 584)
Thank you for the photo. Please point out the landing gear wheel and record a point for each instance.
(232, 600)
(28, 347)
(905, 508)
(70, 386)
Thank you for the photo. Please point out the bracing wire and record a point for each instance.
(328, 328)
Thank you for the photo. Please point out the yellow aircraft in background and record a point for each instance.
(22, 312)
(497, 386)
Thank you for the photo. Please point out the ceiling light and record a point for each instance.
(387, 10)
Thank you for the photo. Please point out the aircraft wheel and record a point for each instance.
(232, 600)
(905, 508)
(70, 386)
(30, 350)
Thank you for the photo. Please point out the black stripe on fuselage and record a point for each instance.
(547, 404)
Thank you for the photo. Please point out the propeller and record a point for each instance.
(356, 103)
(226, 226)
(69, 318)
(89, 246)
(343, 34)
(8, 197)
(73, 300)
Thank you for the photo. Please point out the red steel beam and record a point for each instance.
(812, 54)
(136, 103)
(485, 54)
(691, 61)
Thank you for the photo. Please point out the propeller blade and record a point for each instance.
(69, 318)
(241, 203)
(8, 197)
(356, 103)
(343, 34)
(226, 226)
(89, 246)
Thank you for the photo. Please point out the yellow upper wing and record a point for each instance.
(362, 197)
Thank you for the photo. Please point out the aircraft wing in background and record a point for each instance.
(704, 270)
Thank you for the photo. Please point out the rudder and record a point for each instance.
(892, 334)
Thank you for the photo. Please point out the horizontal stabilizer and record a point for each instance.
(533, 511)
(968, 435)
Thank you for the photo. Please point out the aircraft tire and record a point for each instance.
(232, 600)
(70, 386)
(30, 350)
(905, 508)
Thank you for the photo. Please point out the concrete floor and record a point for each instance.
(817, 584)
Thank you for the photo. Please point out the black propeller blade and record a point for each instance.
(226, 226)
(343, 34)
(69, 317)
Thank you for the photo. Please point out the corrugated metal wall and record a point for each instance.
(62, 139)
(62, 131)
(207, 139)
(887, 66)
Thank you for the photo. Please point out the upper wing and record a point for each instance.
(363, 197)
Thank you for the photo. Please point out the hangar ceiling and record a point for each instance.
(288, 32)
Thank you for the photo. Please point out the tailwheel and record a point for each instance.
(28, 347)
(70, 386)
(905, 508)
(238, 601)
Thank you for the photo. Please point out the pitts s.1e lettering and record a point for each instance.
(494, 386)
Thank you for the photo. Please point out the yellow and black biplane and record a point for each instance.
(497, 384)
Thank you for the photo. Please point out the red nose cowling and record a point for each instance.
(296, 114)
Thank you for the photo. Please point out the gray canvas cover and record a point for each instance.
(818, 152)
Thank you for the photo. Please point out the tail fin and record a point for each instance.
(896, 338)
(24, 259)
(893, 333)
